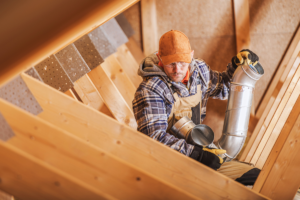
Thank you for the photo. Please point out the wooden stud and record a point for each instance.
(46, 40)
(27, 177)
(283, 178)
(90, 96)
(71, 94)
(112, 97)
(281, 74)
(134, 147)
(149, 26)
(101, 172)
(285, 132)
(128, 64)
(135, 50)
(264, 121)
(275, 126)
(120, 79)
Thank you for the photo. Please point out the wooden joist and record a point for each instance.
(27, 177)
(90, 96)
(133, 147)
(71, 94)
(128, 64)
(112, 97)
(98, 171)
(280, 76)
(279, 178)
(42, 38)
(117, 75)
(267, 122)
(149, 26)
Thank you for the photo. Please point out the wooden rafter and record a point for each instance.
(134, 147)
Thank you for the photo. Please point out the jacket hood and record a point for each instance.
(149, 66)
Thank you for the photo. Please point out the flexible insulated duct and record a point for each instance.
(238, 109)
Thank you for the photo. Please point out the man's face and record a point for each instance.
(176, 71)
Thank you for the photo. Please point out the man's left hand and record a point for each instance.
(243, 56)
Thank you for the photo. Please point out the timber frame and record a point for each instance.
(83, 143)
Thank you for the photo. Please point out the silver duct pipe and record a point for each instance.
(238, 109)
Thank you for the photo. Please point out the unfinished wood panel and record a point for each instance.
(149, 26)
(242, 24)
(277, 122)
(128, 64)
(90, 96)
(26, 177)
(134, 147)
(281, 74)
(277, 147)
(135, 50)
(265, 120)
(5, 196)
(118, 76)
(101, 172)
(42, 38)
(284, 177)
(71, 94)
(112, 97)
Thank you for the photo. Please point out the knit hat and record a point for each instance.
(174, 46)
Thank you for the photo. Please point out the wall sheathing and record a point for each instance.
(210, 28)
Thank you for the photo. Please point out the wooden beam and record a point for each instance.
(279, 118)
(134, 147)
(149, 26)
(71, 94)
(135, 50)
(242, 24)
(90, 96)
(283, 179)
(41, 38)
(281, 141)
(26, 177)
(117, 74)
(265, 120)
(281, 74)
(101, 172)
(128, 64)
(112, 97)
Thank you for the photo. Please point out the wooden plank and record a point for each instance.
(134, 147)
(281, 73)
(242, 24)
(5, 196)
(277, 122)
(128, 64)
(149, 26)
(26, 177)
(264, 121)
(90, 96)
(277, 147)
(120, 79)
(71, 94)
(101, 172)
(135, 50)
(242, 30)
(112, 97)
(284, 178)
(47, 36)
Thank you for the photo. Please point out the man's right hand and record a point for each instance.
(244, 55)
(208, 156)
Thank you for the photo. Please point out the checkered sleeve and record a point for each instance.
(150, 111)
(219, 83)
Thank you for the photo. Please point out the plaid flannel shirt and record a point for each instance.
(153, 101)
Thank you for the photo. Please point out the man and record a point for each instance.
(177, 85)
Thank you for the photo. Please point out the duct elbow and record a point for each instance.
(238, 109)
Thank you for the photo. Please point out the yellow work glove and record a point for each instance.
(208, 156)
(244, 55)
(216, 152)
